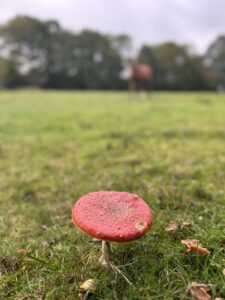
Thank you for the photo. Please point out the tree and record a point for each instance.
(98, 63)
(215, 58)
(8, 75)
(45, 55)
(27, 45)
(122, 44)
(42, 53)
(175, 68)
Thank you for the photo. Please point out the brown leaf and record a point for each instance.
(21, 252)
(88, 285)
(172, 226)
(199, 291)
(186, 224)
(218, 298)
(193, 245)
(223, 271)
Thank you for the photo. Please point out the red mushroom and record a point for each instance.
(112, 217)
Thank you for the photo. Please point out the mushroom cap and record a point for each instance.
(112, 216)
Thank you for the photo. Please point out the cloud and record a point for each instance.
(147, 21)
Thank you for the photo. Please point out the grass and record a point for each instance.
(57, 146)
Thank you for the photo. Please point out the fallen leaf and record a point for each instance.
(193, 245)
(223, 271)
(172, 226)
(21, 252)
(218, 298)
(88, 285)
(186, 224)
(199, 291)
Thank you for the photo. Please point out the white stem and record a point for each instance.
(106, 251)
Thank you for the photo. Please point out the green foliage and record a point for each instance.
(215, 58)
(45, 55)
(55, 147)
(8, 75)
(4, 68)
(176, 68)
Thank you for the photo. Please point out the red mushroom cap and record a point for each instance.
(112, 216)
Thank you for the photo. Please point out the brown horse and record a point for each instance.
(141, 78)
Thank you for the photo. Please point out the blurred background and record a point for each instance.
(89, 44)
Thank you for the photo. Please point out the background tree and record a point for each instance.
(98, 63)
(9, 78)
(45, 55)
(215, 58)
(175, 68)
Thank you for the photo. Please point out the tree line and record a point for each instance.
(43, 54)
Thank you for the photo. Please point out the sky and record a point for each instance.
(192, 22)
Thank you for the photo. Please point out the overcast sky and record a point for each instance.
(192, 22)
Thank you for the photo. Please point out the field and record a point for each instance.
(57, 146)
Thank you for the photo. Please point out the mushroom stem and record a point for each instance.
(106, 251)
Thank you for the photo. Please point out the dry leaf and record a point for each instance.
(88, 285)
(199, 291)
(171, 227)
(21, 252)
(223, 271)
(218, 298)
(186, 224)
(193, 245)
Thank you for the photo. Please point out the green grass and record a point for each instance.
(57, 146)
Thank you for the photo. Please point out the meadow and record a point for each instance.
(56, 146)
